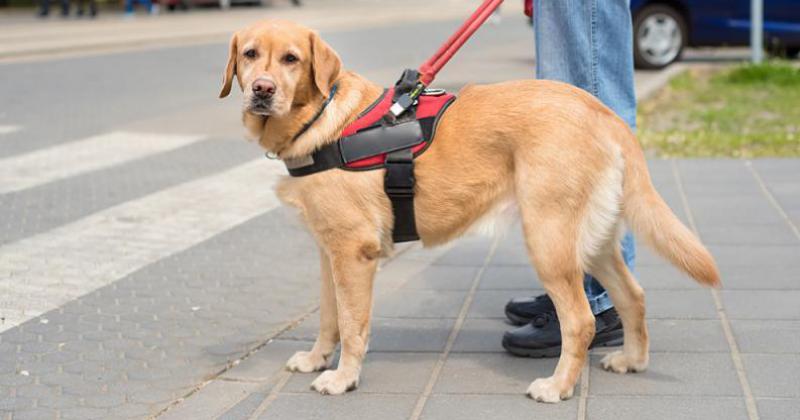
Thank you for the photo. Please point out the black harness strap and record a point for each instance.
(399, 186)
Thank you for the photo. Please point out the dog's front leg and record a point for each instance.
(353, 267)
(319, 358)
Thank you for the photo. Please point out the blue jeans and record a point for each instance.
(45, 10)
(589, 44)
(148, 5)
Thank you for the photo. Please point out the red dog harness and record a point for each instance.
(376, 140)
(394, 130)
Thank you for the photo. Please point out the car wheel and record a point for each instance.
(659, 35)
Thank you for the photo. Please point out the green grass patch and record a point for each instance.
(745, 111)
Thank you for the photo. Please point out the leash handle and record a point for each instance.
(430, 68)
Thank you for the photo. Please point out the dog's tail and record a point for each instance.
(650, 218)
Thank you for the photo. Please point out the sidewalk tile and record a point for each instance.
(382, 373)
(734, 211)
(665, 408)
(683, 335)
(340, 407)
(443, 278)
(721, 189)
(419, 304)
(663, 276)
(491, 303)
(773, 375)
(491, 373)
(680, 304)
(774, 409)
(305, 331)
(739, 234)
(244, 408)
(264, 364)
(645, 256)
(483, 407)
(732, 257)
(389, 334)
(517, 277)
(771, 336)
(412, 335)
(211, 401)
(670, 374)
(509, 254)
(773, 277)
(762, 304)
(778, 169)
(481, 335)
(470, 251)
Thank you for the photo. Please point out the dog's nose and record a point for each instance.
(263, 88)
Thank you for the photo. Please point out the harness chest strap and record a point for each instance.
(370, 143)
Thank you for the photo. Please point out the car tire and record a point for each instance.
(659, 35)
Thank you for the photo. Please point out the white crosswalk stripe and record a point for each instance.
(42, 272)
(8, 129)
(70, 159)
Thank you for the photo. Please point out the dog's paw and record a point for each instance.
(335, 382)
(619, 362)
(307, 361)
(547, 390)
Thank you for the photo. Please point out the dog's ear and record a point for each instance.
(230, 69)
(325, 64)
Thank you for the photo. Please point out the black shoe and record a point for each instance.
(542, 336)
(521, 311)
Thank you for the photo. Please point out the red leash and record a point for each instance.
(429, 68)
(413, 82)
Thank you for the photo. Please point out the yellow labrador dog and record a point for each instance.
(572, 168)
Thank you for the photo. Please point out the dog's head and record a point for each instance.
(279, 65)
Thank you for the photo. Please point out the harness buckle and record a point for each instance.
(399, 180)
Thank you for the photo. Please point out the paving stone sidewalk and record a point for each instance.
(435, 351)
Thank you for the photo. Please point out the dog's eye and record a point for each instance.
(251, 53)
(290, 58)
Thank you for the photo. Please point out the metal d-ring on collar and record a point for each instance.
(306, 126)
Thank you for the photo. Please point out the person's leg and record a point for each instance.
(589, 44)
(45, 10)
(65, 8)
(599, 300)
(128, 7)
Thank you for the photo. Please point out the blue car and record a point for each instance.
(662, 28)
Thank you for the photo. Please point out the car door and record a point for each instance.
(720, 22)
(782, 22)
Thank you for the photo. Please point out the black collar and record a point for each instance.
(308, 125)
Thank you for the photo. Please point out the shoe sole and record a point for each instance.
(610, 339)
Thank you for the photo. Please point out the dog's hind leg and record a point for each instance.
(552, 250)
(319, 358)
(353, 265)
(628, 297)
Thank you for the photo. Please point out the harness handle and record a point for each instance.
(430, 68)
